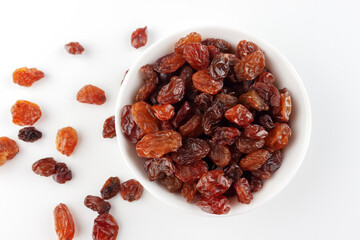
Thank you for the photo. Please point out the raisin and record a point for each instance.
(239, 115)
(164, 77)
(213, 51)
(29, 134)
(110, 188)
(267, 122)
(189, 191)
(252, 100)
(255, 184)
(255, 132)
(109, 128)
(203, 101)
(213, 183)
(219, 154)
(268, 92)
(243, 191)
(282, 113)
(172, 92)
(157, 144)
(226, 135)
(131, 190)
(128, 126)
(27, 76)
(233, 172)
(158, 167)
(105, 227)
(197, 55)
(97, 204)
(149, 72)
(212, 116)
(254, 160)
(227, 100)
(278, 137)
(171, 183)
(247, 145)
(169, 63)
(191, 172)
(219, 67)
(25, 113)
(74, 48)
(143, 115)
(145, 91)
(64, 222)
(91, 94)
(193, 127)
(265, 77)
(44, 167)
(235, 154)
(270, 166)
(8, 149)
(167, 125)
(216, 205)
(205, 83)
(244, 48)
(62, 173)
(250, 66)
(182, 115)
(186, 75)
(192, 150)
(232, 59)
(222, 45)
(66, 140)
(139, 37)
(164, 112)
(192, 37)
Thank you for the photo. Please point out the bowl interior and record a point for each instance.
(285, 76)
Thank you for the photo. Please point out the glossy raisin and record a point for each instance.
(97, 204)
(239, 115)
(110, 188)
(268, 92)
(227, 100)
(191, 172)
(213, 116)
(158, 167)
(44, 167)
(219, 67)
(109, 128)
(244, 48)
(193, 127)
(189, 191)
(171, 183)
(252, 100)
(192, 150)
(278, 137)
(27, 76)
(186, 75)
(219, 154)
(172, 92)
(105, 227)
(205, 83)
(213, 183)
(182, 115)
(149, 72)
(164, 112)
(213, 51)
(267, 122)
(265, 77)
(247, 145)
(139, 37)
(131, 190)
(25, 113)
(254, 160)
(216, 205)
(233, 171)
(29, 134)
(197, 55)
(250, 66)
(269, 167)
(145, 91)
(255, 132)
(157, 144)
(166, 125)
(192, 37)
(74, 48)
(62, 173)
(226, 135)
(64, 222)
(243, 191)
(282, 113)
(91, 94)
(222, 45)
(169, 63)
(128, 126)
(66, 140)
(255, 184)
(143, 115)
(203, 101)
(8, 149)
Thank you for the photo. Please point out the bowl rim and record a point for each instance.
(255, 38)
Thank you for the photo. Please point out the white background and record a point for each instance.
(320, 38)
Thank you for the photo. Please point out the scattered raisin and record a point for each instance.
(216, 205)
(64, 223)
(109, 128)
(44, 167)
(29, 134)
(74, 48)
(27, 76)
(62, 173)
(128, 126)
(25, 113)
(66, 140)
(131, 190)
(139, 37)
(8, 149)
(105, 227)
(213, 183)
(110, 188)
(91, 94)
(97, 204)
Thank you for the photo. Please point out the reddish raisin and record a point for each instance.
(64, 223)
(97, 204)
(172, 92)
(191, 172)
(91, 94)
(182, 115)
(233, 172)
(219, 154)
(44, 167)
(8, 149)
(192, 37)
(143, 115)
(227, 100)
(169, 63)
(216, 205)
(252, 100)
(245, 47)
(219, 67)
(212, 116)
(278, 137)
(109, 128)
(189, 191)
(213, 183)
(226, 135)
(149, 72)
(203, 101)
(254, 160)
(205, 83)
(270, 166)
(66, 140)
(265, 77)
(213, 51)
(131, 190)
(243, 191)
(282, 113)
(167, 125)
(193, 127)
(110, 188)
(145, 91)
(74, 48)
(62, 173)
(250, 66)
(222, 45)
(247, 145)
(255, 132)
(193, 149)
(158, 167)
(267, 122)
(25, 113)
(27, 76)
(239, 115)
(255, 184)
(186, 75)
(105, 227)
(197, 55)
(29, 134)
(164, 112)
(128, 126)
(139, 37)
(171, 183)
(268, 92)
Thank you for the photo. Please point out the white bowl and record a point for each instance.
(285, 76)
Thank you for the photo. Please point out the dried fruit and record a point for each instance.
(25, 113)
(166, 125)
(269, 167)
(8, 149)
(91, 94)
(44, 167)
(110, 188)
(267, 122)
(203, 101)
(245, 47)
(213, 183)
(192, 150)
(219, 154)
(250, 66)
(255, 184)
(247, 145)
(29, 134)
(109, 128)
(143, 115)
(265, 77)
(74, 48)
(278, 137)
(213, 116)
(150, 74)
(216, 205)
(243, 191)
(171, 183)
(282, 113)
(252, 100)
(197, 55)
(27, 76)
(219, 67)
(205, 83)
(193, 127)
(66, 140)
(233, 172)
(169, 63)
(186, 75)
(105, 227)
(158, 167)
(255, 132)
(189, 191)
(226, 100)
(191, 172)
(97, 204)
(145, 91)
(254, 160)
(64, 223)
(182, 115)
(131, 190)
(128, 126)
(62, 173)
(213, 51)
(239, 115)
(164, 112)
(268, 92)
(157, 144)
(222, 45)
(192, 37)
(172, 92)
(139, 37)
(226, 135)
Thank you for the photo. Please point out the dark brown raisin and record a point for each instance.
(29, 134)
(247, 145)
(222, 45)
(158, 167)
(219, 154)
(110, 188)
(192, 150)
(226, 135)
(62, 173)
(171, 183)
(97, 204)
(182, 115)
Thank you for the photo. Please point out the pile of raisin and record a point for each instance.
(209, 121)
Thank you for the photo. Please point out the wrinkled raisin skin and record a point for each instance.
(128, 126)
(139, 37)
(255, 132)
(44, 167)
(191, 172)
(282, 113)
(254, 160)
(243, 190)
(164, 112)
(193, 127)
(158, 167)
(245, 47)
(109, 128)
(64, 223)
(192, 150)
(62, 173)
(97, 204)
(219, 67)
(110, 188)
(213, 183)
(29, 134)
(189, 191)
(143, 115)
(192, 37)
(131, 190)
(216, 205)
(91, 94)
(74, 48)
(278, 137)
(250, 66)
(239, 115)
(222, 45)
(247, 145)
(197, 55)
(182, 115)
(8, 149)
(226, 135)
(169, 63)
(27, 76)
(25, 113)
(172, 92)
(205, 83)
(171, 183)
(66, 140)
(219, 154)
(252, 100)
(105, 227)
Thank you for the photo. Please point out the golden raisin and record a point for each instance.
(66, 140)
(27, 76)
(25, 113)
(64, 223)
(8, 149)
(91, 94)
